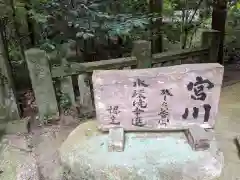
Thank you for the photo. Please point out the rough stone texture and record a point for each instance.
(67, 88)
(142, 51)
(116, 140)
(159, 156)
(85, 94)
(28, 169)
(19, 142)
(41, 79)
(17, 126)
(8, 105)
(167, 96)
(16, 163)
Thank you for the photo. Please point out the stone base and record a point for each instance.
(17, 126)
(159, 156)
(116, 140)
(198, 138)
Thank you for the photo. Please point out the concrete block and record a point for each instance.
(198, 138)
(116, 140)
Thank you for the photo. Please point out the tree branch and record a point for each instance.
(195, 11)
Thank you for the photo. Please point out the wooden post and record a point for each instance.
(142, 51)
(211, 40)
(156, 6)
(42, 84)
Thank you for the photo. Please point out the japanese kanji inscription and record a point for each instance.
(167, 98)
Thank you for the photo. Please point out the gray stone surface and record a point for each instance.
(85, 100)
(116, 139)
(41, 79)
(17, 126)
(145, 156)
(67, 88)
(8, 105)
(198, 138)
(15, 162)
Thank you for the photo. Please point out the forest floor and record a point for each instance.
(22, 155)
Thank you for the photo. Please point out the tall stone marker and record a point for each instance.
(165, 98)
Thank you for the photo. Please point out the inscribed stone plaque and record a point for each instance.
(165, 98)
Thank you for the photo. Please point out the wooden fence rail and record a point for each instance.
(42, 74)
(79, 68)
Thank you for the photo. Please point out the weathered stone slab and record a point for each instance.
(42, 84)
(116, 140)
(8, 105)
(165, 98)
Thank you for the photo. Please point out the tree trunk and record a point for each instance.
(16, 27)
(155, 6)
(219, 16)
(31, 26)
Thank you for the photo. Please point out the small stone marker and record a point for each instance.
(116, 140)
(198, 138)
(165, 98)
(16, 126)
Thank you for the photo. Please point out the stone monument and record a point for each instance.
(135, 106)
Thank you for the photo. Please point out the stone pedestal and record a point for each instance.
(159, 156)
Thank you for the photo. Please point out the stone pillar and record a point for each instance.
(86, 101)
(211, 40)
(67, 86)
(142, 51)
(8, 104)
(42, 83)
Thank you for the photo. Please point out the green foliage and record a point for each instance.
(234, 14)
(91, 19)
(64, 101)
(60, 21)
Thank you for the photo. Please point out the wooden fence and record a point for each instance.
(42, 75)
